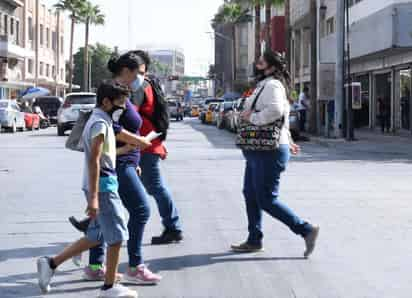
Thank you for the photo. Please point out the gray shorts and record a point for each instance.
(110, 225)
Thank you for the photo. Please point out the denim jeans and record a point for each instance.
(135, 199)
(156, 187)
(261, 191)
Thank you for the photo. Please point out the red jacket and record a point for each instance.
(146, 110)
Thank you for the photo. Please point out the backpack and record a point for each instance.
(160, 118)
(75, 141)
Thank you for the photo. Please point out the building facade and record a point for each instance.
(381, 55)
(31, 48)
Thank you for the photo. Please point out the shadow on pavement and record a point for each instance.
(31, 252)
(200, 260)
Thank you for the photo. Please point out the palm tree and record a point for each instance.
(89, 15)
(74, 7)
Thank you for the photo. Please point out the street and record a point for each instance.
(360, 198)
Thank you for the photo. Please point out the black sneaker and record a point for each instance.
(168, 237)
(247, 248)
(81, 226)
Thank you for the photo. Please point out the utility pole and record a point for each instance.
(350, 134)
(339, 87)
(313, 68)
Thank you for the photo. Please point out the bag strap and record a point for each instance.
(256, 99)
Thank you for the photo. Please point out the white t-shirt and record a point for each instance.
(303, 102)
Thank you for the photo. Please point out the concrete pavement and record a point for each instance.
(360, 198)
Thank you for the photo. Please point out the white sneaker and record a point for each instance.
(118, 291)
(77, 260)
(45, 274)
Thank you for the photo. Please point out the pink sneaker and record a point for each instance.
(94, 275)
(98, 275)
(142, 275)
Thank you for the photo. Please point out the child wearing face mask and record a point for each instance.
(100, 185)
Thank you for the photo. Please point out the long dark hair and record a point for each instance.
(130, 60)
(281, 72)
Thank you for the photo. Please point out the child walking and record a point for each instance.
(100, 185)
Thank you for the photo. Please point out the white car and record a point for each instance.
(68, 113)
(11, 117)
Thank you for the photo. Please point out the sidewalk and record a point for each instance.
(370, 141)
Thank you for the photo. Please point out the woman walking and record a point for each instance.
(129, 70)
(267, 105)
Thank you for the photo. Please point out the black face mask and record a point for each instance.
(259, 74)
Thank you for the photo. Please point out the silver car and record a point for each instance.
(70, 110)
(10, 116)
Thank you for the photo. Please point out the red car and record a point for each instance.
(32, 121)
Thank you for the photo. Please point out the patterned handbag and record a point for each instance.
(251, 137)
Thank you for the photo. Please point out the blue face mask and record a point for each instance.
(137, 83)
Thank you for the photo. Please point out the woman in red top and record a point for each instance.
(151, 175)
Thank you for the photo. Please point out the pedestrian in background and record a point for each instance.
(100, 185)
(303, 107)
(384, 110)
(154, 111)
(264, 168)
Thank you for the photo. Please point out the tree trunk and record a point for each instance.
(86, 58)
(313, 112)
(71, 55)
(288, 34)
(258, 30)
(268, 17)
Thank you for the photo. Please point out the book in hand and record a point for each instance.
(152, 136)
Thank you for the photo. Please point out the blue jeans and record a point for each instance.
(261, 191)
(155, 186)
(135, 199)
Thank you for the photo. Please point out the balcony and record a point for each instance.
(16, 3)
(9, 48)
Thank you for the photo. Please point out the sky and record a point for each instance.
(162, 23)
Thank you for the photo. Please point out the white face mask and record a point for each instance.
(137, 83)
(117, 114)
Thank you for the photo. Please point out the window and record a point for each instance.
(54, 71)
(47, 70)
(6, 24)
(48, 37)
(30, 66)
(12, 26)
(30, 25)
(41, 68)
(330, 26)
(54, 40)
(17, 32)
(61, 45)
(41, 34)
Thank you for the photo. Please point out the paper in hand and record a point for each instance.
(153, 135)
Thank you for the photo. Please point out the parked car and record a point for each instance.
(31, 119)
(234, 117)
(176, 109)
(294, 126)
(210, 117)
(69, 111)
(11, 117)
(205, 107)
(195, 111)
(223, 112)
(49, 105)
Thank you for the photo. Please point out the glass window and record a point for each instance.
(61, 45)
(330, 26)
(30, 66)
(48, 37)
(6, 24)
(12, 26)
(54, 40)
(81, 99)
(47, 70)
(41, 34)
(41, 68)
(30, 25)
(17, 32)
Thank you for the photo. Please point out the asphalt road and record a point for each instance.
(360, 196)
